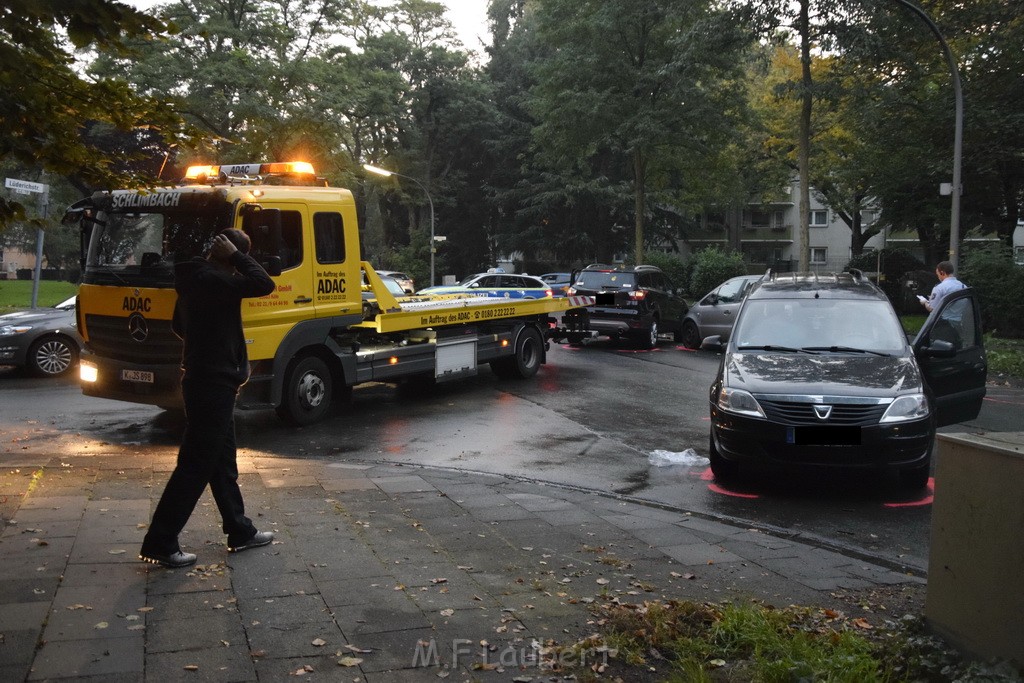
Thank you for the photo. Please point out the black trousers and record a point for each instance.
(207, 457)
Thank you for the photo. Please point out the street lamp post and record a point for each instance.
(386, 173)
(958, 132)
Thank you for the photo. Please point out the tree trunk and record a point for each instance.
(804, 143)
(640, 195)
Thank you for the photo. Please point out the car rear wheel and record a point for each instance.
(308, 389)
(724, 470)
(52, 356)
(690, 335)
(648, 338)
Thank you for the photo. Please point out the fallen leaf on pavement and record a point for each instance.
(350, 661)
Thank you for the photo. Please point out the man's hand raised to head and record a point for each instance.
(222, 248)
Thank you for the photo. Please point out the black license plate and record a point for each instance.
(823, 436)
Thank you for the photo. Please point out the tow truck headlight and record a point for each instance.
(87, 372)
(740, 402)
(906, 408)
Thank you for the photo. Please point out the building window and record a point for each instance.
(819, 255)
(819, 219)
(760, 219)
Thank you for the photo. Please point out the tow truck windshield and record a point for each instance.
(145, 244)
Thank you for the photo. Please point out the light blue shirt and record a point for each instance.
(943, 289)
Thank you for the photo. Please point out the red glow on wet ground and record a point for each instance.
(926, 498)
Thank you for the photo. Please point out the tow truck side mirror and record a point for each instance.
(272, 265)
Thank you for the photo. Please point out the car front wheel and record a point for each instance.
(724, 470)
(52, 356)
(308, 389)
(690, 337)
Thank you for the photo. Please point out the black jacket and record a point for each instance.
(208, 316)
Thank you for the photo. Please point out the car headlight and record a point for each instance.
(10, 330)
(906, 408)
(739, 401)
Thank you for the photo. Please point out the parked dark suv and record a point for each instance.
(818, 371)
(639, 303)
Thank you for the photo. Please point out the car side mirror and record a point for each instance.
(712, 343)
(939, 349)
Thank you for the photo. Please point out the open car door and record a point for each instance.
(951, 353)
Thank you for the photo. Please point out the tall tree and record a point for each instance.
(644, 83)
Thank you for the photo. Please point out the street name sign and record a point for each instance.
(24, 185)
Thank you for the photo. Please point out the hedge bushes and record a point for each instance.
(712, 267)
(895, 263)
(1000, 287)
(701, 272)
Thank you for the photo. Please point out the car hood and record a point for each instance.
(822, 375)
(35, 316)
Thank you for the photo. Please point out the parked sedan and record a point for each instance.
(716, 312)
(407, 283)
(502, 285)
(558, 282)
(45, 341)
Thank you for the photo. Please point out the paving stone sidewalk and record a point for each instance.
(399, 573)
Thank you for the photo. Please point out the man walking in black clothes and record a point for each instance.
(208, 318)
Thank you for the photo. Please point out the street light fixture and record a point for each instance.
(386, 173)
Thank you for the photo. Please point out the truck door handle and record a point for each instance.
(303, 300)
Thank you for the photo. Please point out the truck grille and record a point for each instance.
(794, 413)
(109, 336)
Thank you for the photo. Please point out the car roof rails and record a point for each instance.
(599, 266)
(858, 275)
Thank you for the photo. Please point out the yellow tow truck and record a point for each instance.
(317, 334)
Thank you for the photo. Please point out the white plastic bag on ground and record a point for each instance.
(689, 457)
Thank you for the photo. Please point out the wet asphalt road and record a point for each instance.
(590, 419)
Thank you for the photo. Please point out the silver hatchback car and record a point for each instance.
(716, 312)
(43, 340)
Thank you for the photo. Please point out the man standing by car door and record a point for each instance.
(208, 318)
(947, 285)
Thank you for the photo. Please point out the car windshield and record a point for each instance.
(819, 324)
(468, 280)
(392, 286)
(605, 280)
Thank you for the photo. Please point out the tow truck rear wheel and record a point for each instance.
(308, 389)
(525, 362)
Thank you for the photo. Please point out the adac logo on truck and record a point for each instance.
(136, 304)
(328, 285)
(126, 199)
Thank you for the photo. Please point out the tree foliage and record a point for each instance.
(52, 118)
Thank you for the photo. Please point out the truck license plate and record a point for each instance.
(143, 376)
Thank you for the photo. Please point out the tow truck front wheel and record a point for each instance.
(525, 362)
(308, 388)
